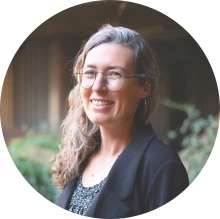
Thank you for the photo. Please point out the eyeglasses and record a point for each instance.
(113, 80)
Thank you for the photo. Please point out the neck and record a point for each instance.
(115, 139)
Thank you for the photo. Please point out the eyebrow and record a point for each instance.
(109, 67)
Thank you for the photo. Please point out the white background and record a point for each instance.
(19, 18)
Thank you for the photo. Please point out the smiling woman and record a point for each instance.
(111, 101)
(111, 164)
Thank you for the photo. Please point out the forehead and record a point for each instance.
(106, 55)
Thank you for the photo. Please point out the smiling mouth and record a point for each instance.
(101, 103)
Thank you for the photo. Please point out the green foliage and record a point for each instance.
(43, 140)
(31, 155)
(38, 176)
(199, 137)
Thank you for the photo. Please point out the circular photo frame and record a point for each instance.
(40, 77)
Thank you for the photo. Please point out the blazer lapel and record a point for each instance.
(120, 182)
(64, 199)
(107, 205)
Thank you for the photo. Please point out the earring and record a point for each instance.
(145, 109)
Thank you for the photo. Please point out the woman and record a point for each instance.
(111, 165)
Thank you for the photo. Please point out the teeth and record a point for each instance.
(101, 103)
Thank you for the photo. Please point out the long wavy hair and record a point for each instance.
(79, 135)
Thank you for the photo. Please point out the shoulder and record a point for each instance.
(159, 152)
(162, 175)
(153, 152)
(160, 159)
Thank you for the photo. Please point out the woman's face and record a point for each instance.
(103, 106)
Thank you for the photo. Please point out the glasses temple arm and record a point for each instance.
(137, 76)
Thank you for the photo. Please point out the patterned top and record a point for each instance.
(83, 196)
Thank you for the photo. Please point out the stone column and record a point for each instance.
(54, 85)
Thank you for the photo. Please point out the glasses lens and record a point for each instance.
(87, 79)
(114, 80)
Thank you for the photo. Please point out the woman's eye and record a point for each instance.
(114, 74)
(89, 72)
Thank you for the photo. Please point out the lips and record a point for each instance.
(101, 102)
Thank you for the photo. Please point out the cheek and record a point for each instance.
(127, 104)
(84, 95)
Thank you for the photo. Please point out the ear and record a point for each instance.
(146, 89)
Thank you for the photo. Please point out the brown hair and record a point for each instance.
(79, 134)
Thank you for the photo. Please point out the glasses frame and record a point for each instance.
(104, 73)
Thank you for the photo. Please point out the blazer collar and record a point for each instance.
(64, 199)
(125, 167)
(120, 182)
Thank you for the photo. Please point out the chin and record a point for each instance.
(99, 121)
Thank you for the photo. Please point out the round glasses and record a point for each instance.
(113, 80)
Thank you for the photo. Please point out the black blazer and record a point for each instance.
(147, 175)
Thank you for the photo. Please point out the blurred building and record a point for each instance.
(39, 77)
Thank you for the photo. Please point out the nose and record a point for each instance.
(99, 84)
